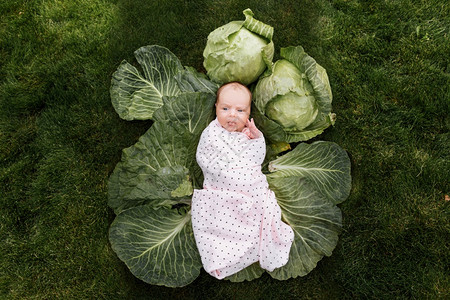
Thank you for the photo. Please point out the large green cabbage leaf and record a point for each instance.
(324, 164)
(162, 163)
(308, 182)
(316, 223)
(137, 97)
(157, 245)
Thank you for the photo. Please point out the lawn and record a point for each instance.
(60, 139)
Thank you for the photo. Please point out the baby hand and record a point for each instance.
(250, 130)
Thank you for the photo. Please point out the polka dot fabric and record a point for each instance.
(235, 217)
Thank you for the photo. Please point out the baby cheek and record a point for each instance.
(245, 118)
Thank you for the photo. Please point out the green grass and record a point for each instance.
(60, 139)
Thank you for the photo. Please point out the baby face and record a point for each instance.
(233, 108)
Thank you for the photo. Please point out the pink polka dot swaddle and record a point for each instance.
(235, 217)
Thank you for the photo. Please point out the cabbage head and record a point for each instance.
(293, 101)
(239, 51)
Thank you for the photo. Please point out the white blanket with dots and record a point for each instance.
(235, 217)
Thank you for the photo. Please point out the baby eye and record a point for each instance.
(240, 110)
(225, 108)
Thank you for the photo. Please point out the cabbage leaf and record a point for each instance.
(136, 97)
(163, 160)
(157, 245)
(324, 164)
(308, 182)
(316, 223)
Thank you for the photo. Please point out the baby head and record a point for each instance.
(233, 106)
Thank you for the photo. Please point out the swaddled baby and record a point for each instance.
(235, 217)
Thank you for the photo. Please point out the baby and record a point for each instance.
(235, 217)
(233, 109)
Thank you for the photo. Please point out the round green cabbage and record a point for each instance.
(293, 107)
(239, 51)
(292, 111)
(293, 102)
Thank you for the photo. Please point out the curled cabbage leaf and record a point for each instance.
(136, 97)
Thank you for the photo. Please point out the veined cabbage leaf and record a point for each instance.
(308, 182)
(324, 164)
(316, 223)
(157, 245)
(136, 97)
(161, 163)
